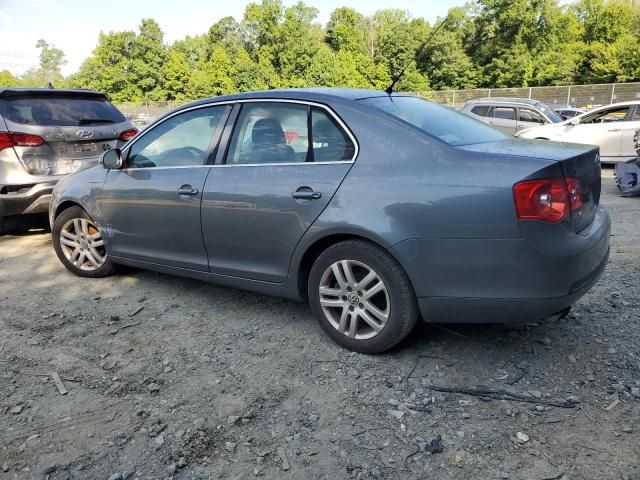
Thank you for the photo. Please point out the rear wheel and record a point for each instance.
(362, 297)
(79, 245)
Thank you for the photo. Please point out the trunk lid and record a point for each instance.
(581, 162)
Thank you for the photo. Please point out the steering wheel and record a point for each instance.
(194, 151)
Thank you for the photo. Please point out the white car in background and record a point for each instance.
(612, 128)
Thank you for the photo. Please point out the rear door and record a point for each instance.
(74, 128)
(152, 206)
(284, 163)
(504, 118)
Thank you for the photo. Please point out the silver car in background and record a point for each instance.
(511, 114)
(611, 127)
(47, 133)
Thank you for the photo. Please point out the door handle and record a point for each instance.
(614, 130)
(305, 195)
(187, 190)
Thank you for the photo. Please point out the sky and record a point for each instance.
(74, 25)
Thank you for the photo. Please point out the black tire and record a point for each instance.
(402, 307)
(107, 268)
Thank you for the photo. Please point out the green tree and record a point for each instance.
(176, 73)
(7, 79)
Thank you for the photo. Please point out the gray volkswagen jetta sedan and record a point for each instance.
(378, 209)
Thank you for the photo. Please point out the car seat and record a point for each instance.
(269, 143)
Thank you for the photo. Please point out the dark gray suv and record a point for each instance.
(47, 133)
(375, 208)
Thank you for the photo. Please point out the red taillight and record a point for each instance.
(548, 199)
(128, 134)
(17, 139)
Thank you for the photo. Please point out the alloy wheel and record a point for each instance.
(82, 244)
(354, 299)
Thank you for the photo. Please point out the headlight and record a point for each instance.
(44, 166)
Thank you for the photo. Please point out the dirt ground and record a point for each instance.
(169, 377)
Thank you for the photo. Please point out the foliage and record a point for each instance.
(486, 43)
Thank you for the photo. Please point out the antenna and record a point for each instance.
(389, 89)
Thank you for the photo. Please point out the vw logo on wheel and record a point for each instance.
(84, 133)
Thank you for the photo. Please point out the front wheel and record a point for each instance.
(362, 297)
(79, 245)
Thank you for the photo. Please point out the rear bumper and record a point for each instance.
(26, 199)
(510, 280)
(505, 310)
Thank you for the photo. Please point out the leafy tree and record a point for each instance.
(7, 79)
(176, 73)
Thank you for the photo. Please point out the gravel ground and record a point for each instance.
(171, 377)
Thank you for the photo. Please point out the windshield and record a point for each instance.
(436, 120)
(60, 111)
(550, 114)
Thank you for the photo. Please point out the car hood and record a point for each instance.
(519, 147)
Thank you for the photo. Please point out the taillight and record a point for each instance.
(548, 199)
(128, 134)
(17, 139)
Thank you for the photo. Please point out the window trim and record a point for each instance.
(214, 142)
(224, 139)
(222, 161)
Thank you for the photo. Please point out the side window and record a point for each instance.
(481, 110)
(330, 142)
(182, 140)
(528, 115)
(506, 113)
(607, 116)
(270, 132)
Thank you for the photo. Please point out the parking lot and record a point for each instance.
(174, 377)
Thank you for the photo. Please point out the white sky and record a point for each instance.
(74, 25)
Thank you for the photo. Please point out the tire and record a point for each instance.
(336, 296)
(81, 249)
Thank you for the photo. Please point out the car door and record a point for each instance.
(629, 129)
(151, 207)
(504, 118)
(528, 118)
(284, 162)
(603, 127)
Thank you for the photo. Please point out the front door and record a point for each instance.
(277, 179)
(602, 127)
(151, 207)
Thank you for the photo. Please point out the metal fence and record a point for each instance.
(586, 96)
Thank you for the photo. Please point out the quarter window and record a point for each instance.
(182, 140)
(330, 141)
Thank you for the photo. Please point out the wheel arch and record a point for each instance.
(65, 205)
(319, 245)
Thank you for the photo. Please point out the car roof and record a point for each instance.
(321, 95)
(503, 100)
(6, 92)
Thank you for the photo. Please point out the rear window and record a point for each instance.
(59, 111)
(436, 120)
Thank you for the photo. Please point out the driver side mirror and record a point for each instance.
(575, 121)
(112, 159)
